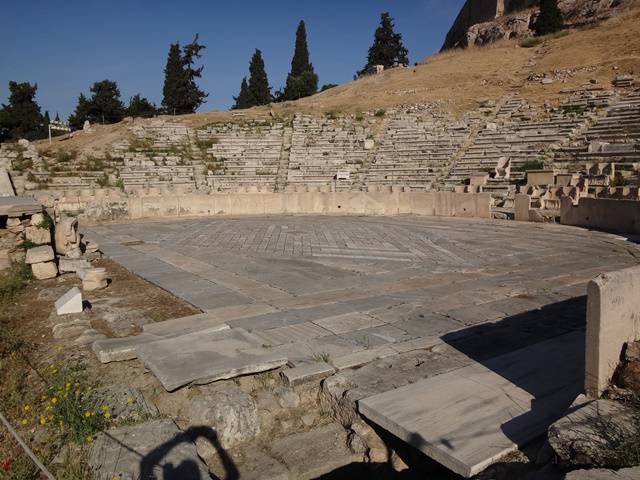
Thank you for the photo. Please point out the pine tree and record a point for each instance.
(259, 88)
(302, 81)
(550, 18)
(243, 100)
(57, 119)
(46, 120)
(104, 106)
(21, 117)
(180, 92)
(141, 107)
(387, 48)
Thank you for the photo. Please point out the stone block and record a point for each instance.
(44, 271)
(120, 349)
(94, 279)
(66, 265)
(37, 235)
(40, 255)
(314, 372)
(613, 319)
(522, 207)
(70, 302)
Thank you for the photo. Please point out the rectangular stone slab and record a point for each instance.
(205, 357)
(18, 206)
(468, 418)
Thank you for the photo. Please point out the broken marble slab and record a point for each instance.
(182, 326)
(307, 373)
(207, 356)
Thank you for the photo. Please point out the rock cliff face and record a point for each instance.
(485, 21)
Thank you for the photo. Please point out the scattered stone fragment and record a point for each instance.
(44, 271)
(71, 329)
(66, 265)
(40, 255)
(94, 279)
(307, 373)
(70, 302)
(66, 235)
(88, 337)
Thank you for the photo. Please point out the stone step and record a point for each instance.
(469, 418)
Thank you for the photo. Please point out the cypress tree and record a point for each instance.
(387, 48)
(243, 100)
(550, 18)
(180, 92)
(21, 117)
(57, 119)
(258, 87)
(47, 119)
(302, 81)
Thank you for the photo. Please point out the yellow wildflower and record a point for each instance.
(89, 439)
(26, 408)
(103, 408)
(54, 400)
(130, 400)
(107, 415)
(24, 421)
(87, 414)
(43, 421)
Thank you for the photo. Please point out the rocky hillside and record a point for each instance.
(481, 22)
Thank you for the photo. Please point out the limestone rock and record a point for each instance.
(66, 265)
(632, 352)
(88, 337)
(40, 254)
(231, 413)
(74, 253)
(94, 279)
(600, 474)
(583, 437)
(72, 329)
(70, 302)
(66, 235)
(37, 235)
(287, 398)
(44, 271)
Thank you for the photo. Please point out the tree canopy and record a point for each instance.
(243, 100)
(302, 81)
(181, 93)
(258, 86)
(550, 18)
(387, 48)
(141, 107)
(104, 106)
(21, 117)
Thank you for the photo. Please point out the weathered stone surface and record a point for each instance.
(66, 235)
(71, 329)
(583, 438)
(6, 187)
(43, 271)
(66, 265)
(37, 235)
(156, 449)
(70, 302)
(40, 255)
(121, 349)
(88, 337)
(313, 372)
(204, 357)
(94, 279)
(602, 474)
(468, 418)
(287, 398)
(315, 453)
(231, 413)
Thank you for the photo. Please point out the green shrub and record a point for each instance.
(380, 113)
(530, 42)
(12, 282)
(529, 165)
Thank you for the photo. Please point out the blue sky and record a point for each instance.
(64, 46)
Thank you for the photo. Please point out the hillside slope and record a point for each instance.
(453, 80)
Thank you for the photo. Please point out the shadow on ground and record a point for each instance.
(152, 465)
